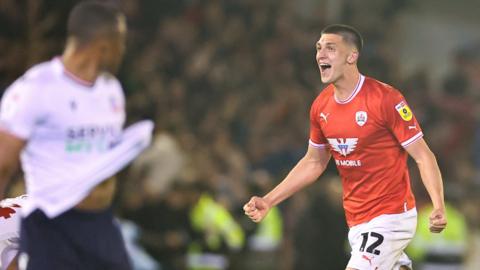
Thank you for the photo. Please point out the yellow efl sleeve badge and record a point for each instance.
(404, 111)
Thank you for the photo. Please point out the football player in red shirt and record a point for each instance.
(10, 231)
(368, 128)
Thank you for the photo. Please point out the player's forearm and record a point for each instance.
(10, 148)
(5, 175)
(304, 173)
(432, 179)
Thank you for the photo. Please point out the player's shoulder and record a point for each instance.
(380, 89)
(109, 83)
(43, 73)
(40, 74)
(324, 95)
(109, 79)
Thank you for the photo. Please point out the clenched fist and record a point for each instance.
(438, 220)
(256, 209)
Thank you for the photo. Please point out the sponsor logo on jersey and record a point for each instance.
(343, 146)
(91, 131)
(348, 163)
(361, 118)
(369, 259)
(323, 116)
(404, 111)
(91, 138)
(115, 105)
(10, 105)
(73, 105)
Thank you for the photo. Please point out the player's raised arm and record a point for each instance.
(307, 170)
(432, 179)
(10, 147)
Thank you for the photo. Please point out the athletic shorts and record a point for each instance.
(74, 240)
(379, 243)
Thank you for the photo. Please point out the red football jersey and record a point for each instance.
(366, 135)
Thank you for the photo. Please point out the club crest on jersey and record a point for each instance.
(114, 104)
(73, 105)
(404, 111)
(361, 118)
(343, 146)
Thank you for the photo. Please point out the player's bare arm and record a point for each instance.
(10, 147)
(432, 179)
(307, 170)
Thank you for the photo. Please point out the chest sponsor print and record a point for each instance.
(344, 146)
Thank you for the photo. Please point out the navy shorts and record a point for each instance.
(73, 240)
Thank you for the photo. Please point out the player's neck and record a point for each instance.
(346, 85)
(81, 65)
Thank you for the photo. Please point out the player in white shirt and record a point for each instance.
(10, 230)
(64, 118)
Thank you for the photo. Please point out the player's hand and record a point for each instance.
(256, 209)
(438, 220)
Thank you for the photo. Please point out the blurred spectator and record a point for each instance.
(321, 234)
(265, 239)
(153, 172)
(443, 251)
(139, 258)
(164, 225)
(217, 234)
(470, 203)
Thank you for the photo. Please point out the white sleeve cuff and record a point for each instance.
(317, 145)
(412, 139)
(17, 130)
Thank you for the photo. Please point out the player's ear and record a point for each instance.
(103, 46)
(352, 57)
(103, 49)
(95, 48)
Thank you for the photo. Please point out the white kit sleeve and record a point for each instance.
(21, 109)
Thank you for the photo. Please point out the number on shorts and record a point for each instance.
(371, 248)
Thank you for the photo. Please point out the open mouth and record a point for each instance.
(324, 67)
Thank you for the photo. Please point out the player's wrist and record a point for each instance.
(440, 206)
(268, 201)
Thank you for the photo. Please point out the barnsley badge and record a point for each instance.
(361, 118)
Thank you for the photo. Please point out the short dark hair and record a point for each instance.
(89, 20)
(349, 34)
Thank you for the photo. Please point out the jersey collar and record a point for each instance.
(72, 76)
(354, 93)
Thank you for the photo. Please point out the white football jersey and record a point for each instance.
(74, 133)
(10, 229)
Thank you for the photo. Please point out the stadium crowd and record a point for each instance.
(229, 85)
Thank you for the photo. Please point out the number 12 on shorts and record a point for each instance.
(372, 247)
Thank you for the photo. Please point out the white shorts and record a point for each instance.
(379, 243)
